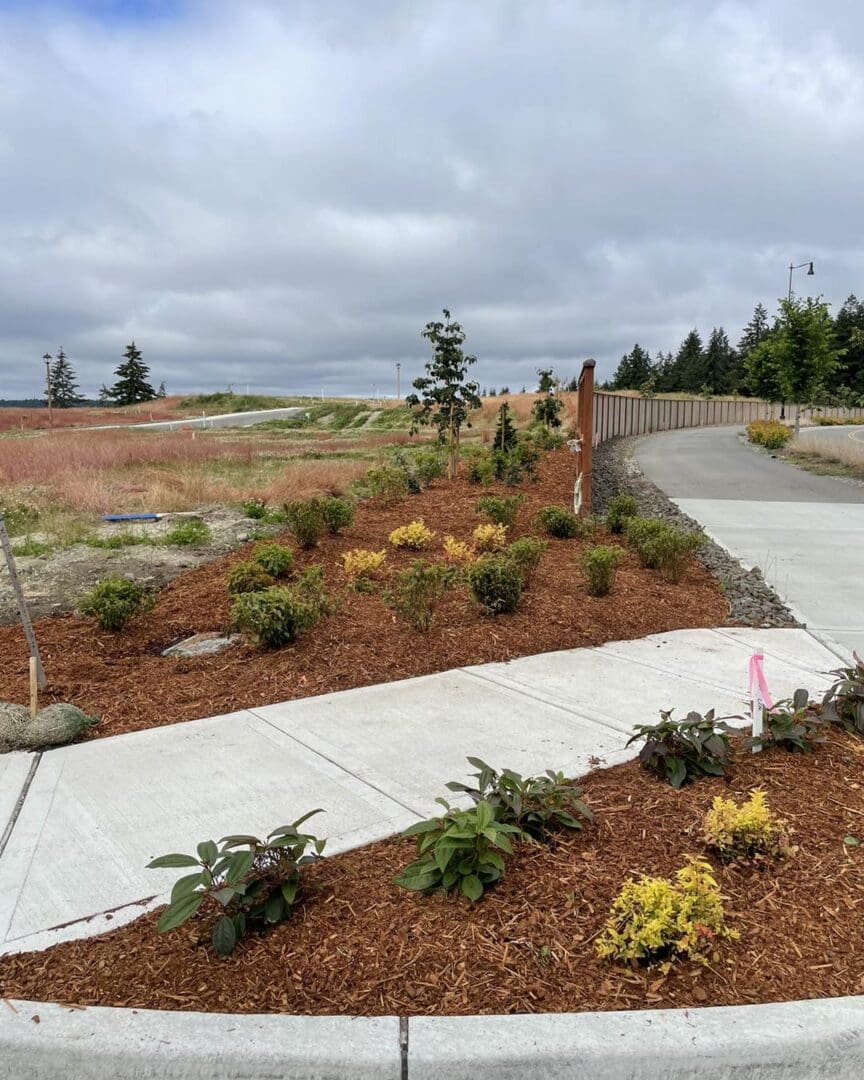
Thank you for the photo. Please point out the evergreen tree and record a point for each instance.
(162, 392)
(720, 363)
(689, 364)
(505, 429)
(849, 336)
(505, 389)
(547, 381)
(64, 384)
(664, 372)
(754, 332)
(132, 386)
(633, 371)
(446, 397)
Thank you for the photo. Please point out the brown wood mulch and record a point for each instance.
(123, 679)
(359, 944)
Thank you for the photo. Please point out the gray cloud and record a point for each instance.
(284, 194)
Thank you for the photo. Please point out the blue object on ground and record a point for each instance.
(130, 517)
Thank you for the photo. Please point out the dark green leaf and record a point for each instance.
(208, 852)
(172, 862)
(472, 887)
(224, 936)
(185, 885)
(273, 908)
(176, 914)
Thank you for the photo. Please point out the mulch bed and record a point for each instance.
(359, 944)
(123, 679)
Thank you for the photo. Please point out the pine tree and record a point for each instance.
(547, 381)
(720, 363)
(633, 371)
(689, 364)
(64, 385)
(754, 332)
(162, 392)
(664, 371)
(132, 386)
(849, 336)
(505, 429)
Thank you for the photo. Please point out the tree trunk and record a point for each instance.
(797, 419)
(451, 442)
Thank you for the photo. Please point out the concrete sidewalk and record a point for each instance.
(804, 531)
(79, 824)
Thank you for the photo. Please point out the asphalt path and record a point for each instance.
(241, 419)
(804, 531)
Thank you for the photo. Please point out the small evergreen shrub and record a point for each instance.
(246, 577)
(386, 483)
(250, 884)
(843, 703)
(306, 520)
(481, 469)
(526, 553)
(500, 509)
(278, 615)
(621, 508)
(682, 750)
(459, 850)
(338, 514)
(769, 433)
(490, 537)
(654, 919)
(114, 601)
(661, 546)
(276, 559)
(417, 590)
(495, 583)
(457, 551)
(429, 466)
(190, 533)
(361, 564)
(414, 536)
(792, 724)
(748, 831)
(559, 522)
(599, 566)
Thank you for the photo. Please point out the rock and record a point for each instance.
(202, 645)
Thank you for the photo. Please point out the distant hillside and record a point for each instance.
(39, 403)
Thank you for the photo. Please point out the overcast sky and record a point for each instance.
(282, 194)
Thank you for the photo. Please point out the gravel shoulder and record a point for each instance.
(751, 600)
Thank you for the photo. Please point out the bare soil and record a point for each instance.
(359, 944)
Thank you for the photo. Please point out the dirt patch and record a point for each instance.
(52, 583)
(358, 944)
(123, 679)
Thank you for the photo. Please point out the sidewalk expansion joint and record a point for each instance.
(403, 1046)
(19, 802)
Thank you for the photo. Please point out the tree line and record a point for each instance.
(132, 384)
(803, 354)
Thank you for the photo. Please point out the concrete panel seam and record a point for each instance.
(19, 802)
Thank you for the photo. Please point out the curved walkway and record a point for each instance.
(804, 531)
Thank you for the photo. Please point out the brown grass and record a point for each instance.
(848, 452)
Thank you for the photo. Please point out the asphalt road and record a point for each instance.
(805, 532)
(837, 433)
(242, 419)
(714, 463)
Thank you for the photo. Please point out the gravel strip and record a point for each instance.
(752, 602)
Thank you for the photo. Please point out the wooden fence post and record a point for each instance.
(586, 429)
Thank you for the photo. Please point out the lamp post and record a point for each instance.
(810, 273)
(47, 359)
(398, 381)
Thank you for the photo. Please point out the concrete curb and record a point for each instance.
(804, 1040)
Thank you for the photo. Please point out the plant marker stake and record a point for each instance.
(22, 605)
(34, 689)
(760, 699)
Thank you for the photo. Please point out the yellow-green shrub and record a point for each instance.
(415, 535)
(490, 537)
(746, 831)
(769, 433)
(362, 563)
(457, 551)
(656, 919)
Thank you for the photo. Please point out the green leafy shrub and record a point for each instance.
(769, 433)
(306, 520)
(417, 590)
(429, 466)
(599, 565)
(534, 804)
(250, 884)
(459, 850)
(189, 533)
(621, 508)
(386, 483)
(654, 919)
(247, 577)
(843, 703)
(749, 831)
(276, 559)
(661, 546)
(514, 465)
(256, 509)
(792, 724)
(642, 534)
(500, 509)
(495, 582)
(682, 750)
(526, 553)
(338, 513)
(278, 615)
(114, 601)
(481, 468)
(559, 522)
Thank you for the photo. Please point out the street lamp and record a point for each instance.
(47, 358)
(398, 381)
(810, 273)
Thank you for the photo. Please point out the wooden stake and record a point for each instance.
(22, 604)
(34, 688)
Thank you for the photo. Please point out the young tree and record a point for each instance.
(446, 398)
(162, 392)
(801, 350)
(64, 384)
(132, 384)
(505, 429)
(547, 381)
(633, 371)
